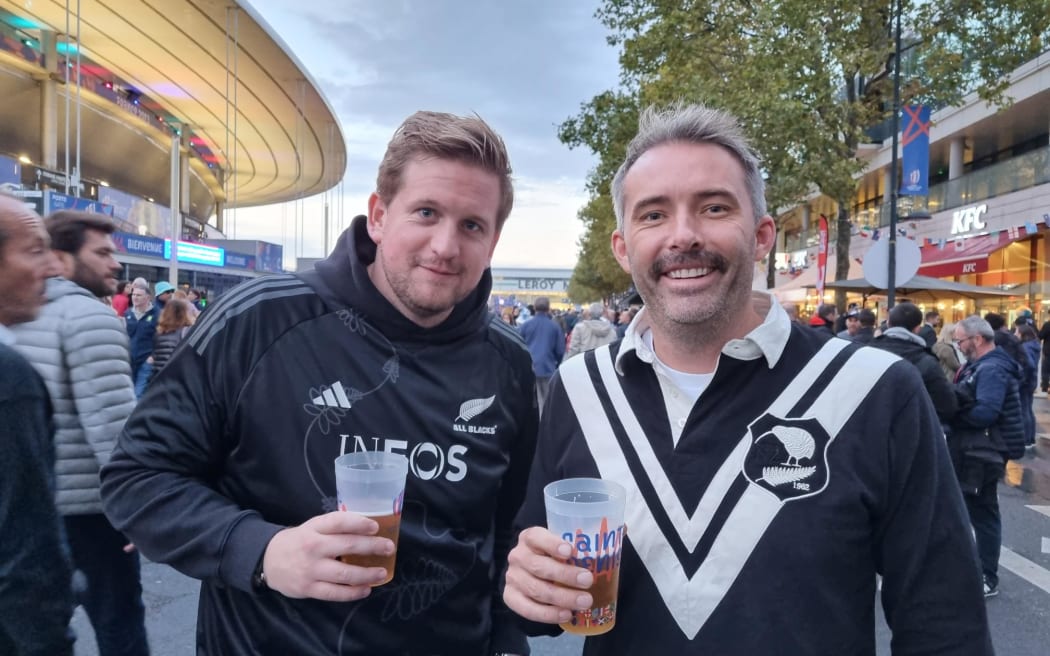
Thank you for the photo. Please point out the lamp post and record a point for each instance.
(892, 191)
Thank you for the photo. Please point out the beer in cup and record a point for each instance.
(372, 483)
(588, 513)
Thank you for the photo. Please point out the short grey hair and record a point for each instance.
(691, 124)
(596, 310)
(975, 325)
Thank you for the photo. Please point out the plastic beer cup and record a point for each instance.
(372, 483)
(588, 513)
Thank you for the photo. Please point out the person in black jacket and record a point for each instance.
(175, 321)
(902, 338)
(985, 433)
(36, 594)
(226, 472)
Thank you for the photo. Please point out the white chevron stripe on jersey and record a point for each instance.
(692, 600)
(692, 527)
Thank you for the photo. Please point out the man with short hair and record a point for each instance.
(823, 320)
(762, 462)
(140, 321)
(225, 470)
(80, 349)
(866, 328)
(901, 338)
(546, 344)
(984, 434)
(36, 595)
(928, 332)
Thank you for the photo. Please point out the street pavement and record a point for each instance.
(1019, 616)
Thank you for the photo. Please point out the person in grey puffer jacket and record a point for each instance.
(591, 332)
(80, 348)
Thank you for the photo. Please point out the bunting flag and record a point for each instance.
(1030, 228)
(959, 244)
(942, 243)
(1046, 220)
(875, 235)
(1014, 233)
(996, 235)
(864, 232)
(902, 232)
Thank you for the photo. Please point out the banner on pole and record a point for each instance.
(915, 161)
(822, 255)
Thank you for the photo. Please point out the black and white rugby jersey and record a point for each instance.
(797, 478)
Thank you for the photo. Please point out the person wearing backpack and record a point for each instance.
(987, 431)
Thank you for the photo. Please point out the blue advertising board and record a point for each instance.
(196, 253)
(10, 173)
(138, 244)
(54, 202)
(269, 257)
(240, 260)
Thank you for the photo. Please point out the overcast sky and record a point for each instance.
(523, 65)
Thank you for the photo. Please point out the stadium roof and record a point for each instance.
(177, 53)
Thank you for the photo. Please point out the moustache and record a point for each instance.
(697, 259)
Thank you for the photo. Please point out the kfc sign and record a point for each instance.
(968, 218)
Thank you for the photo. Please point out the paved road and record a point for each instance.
(1020, 616)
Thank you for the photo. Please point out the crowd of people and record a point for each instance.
(981, 376)
(207, 442)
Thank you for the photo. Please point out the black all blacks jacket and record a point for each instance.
(236, 438)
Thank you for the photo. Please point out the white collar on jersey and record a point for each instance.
(768, 339)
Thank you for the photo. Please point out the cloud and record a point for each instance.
(523, 65)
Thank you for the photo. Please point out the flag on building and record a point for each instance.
(915, 160)
(1014, 233)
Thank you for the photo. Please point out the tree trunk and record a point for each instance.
(842, 259)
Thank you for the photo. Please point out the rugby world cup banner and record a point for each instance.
(915, 160)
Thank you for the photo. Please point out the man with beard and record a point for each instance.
(80, 348)
(225, 470)
(762, 461)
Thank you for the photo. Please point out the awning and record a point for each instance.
(924, 286)
(963, 256)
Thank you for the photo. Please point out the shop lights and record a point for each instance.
(103, 183)
(25, 159)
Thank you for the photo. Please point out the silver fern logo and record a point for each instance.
(788, 457)
(470, 409)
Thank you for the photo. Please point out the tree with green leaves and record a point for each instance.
(806, 79)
